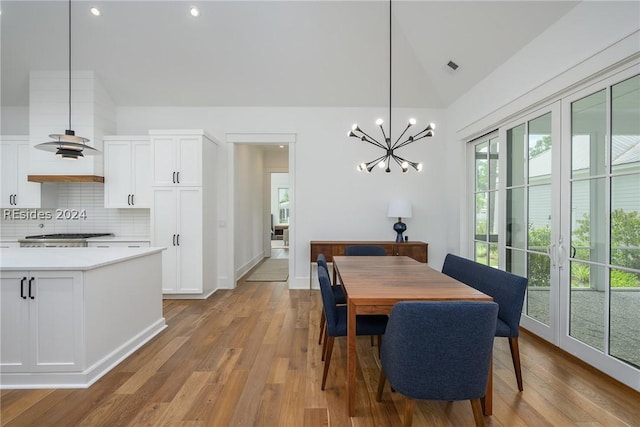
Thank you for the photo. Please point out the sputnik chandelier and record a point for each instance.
(384, 161)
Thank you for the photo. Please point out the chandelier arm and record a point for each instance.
(69, 65)
(395, 145)
(384, 136)
(370, 165)
(409, 141)
(428, 128)
(372, 141)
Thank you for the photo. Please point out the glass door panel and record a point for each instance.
(486, 209)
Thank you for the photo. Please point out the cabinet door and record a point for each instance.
(28, 193)
(117, 174)
(141, 174)
(56, 321)
(14, 322)
(163, 160)
(417, 251)
(9, 164)
(164, 221)
(190, 241)
(190, 157)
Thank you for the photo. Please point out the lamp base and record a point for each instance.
(399, 227)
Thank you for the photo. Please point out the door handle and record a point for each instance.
(178, 240)
(178, 177)
(30, 282)
(174, 177)
(174, 240)
(129, 199)
(22, 295)
(133, 202)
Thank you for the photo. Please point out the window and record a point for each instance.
(283, 205)
(485, 200)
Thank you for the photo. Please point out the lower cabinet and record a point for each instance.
(41, 321)
(177, 224)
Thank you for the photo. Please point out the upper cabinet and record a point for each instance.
(176, 160)
(15, 190)
(127, 175)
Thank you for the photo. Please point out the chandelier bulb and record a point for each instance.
(361, 167)
(405, 165)
(419, 167)
(381, 164)
(355, 127)
(412, 121)
(379, 122)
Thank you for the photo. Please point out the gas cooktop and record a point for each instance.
(69, 236)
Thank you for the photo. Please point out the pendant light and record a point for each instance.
(68, 145)
(384, 161)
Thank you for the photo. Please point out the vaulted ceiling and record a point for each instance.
(270, 53)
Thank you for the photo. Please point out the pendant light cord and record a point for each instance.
(69, 64)
(390, 80)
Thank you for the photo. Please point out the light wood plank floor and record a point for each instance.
(250, 357)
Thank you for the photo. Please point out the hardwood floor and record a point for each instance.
(250, 357)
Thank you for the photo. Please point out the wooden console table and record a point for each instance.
(416, 250)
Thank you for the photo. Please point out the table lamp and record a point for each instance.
(399, 209)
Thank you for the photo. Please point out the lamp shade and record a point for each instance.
(399, 209)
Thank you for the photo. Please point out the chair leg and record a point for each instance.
(478, 416)
(379, 345)
(408, 412)
(324, 344)
(329, 343)
(322, 323)
(372, 344)
(381, 381)
(515, 356)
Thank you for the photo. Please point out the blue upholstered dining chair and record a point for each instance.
(338, 293)
(336, 317)
(507, 290)
(439, 350)
(364, 250)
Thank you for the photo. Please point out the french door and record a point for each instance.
(571, 221)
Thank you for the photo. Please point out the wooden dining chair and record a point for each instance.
(505, 288)
(336, 318)
(438, 350)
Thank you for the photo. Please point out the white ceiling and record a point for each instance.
(270, 53)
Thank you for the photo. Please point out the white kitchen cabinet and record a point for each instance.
(127, 172)
(177, 225)
(15, 190)
(184, 211)
(176, 158)
(41, 321)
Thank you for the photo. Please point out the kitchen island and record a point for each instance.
(69, 315)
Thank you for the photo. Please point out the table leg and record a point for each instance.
(351, 359)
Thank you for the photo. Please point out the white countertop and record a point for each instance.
(118, 239)
(67, 258)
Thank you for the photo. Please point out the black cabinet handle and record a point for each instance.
(178, 240)
(132, 201)
(178, 177)
(22, 295)
(129, 199)
(174, 177)
(30, 282)
(174, 240)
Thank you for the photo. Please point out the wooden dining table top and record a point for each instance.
(387, 280)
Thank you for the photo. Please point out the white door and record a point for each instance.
(190, 161)
(163, 160)
(56, 319)
(141, 174)
(117, 186)
(190, 262)
(164, 232)
(14, 321)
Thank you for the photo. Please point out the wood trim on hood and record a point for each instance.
(65, 178)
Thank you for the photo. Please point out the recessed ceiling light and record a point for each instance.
(194, 11)
(95, 11)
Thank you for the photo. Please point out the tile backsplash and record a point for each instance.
(78, 208)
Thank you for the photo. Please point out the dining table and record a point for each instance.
(373, 284)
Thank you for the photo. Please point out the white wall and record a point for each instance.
(332, 200)
(14, 121)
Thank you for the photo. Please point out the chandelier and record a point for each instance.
(68, 145)
(389, 148)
